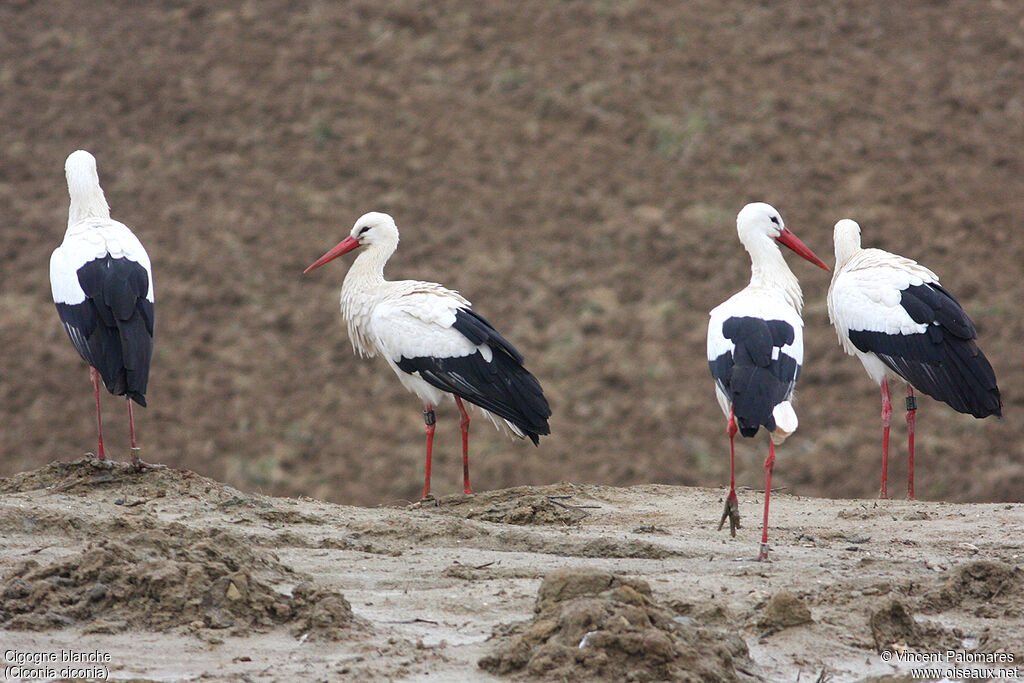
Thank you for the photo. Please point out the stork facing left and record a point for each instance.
(433, 340)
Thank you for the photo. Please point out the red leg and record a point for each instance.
(464, 424)
(137, 463)
(769, 466)
(429, 420)
(731, 430)
(911, 419)
(886, 421)
(94, 375)
(732, 504)
(131, 430)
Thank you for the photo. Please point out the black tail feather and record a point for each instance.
(113, 328)
(756, 375)
(951, 370)
(944, 361)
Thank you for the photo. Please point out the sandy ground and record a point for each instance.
(436, 587)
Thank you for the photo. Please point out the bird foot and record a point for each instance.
(732, 513)
(139, 465)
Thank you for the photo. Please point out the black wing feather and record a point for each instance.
(476, 329)
(755, 382)
(944, 361)
(112, 330)
(502, 386)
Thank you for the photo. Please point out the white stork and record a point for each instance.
(434, 342)
(102, 284)
(755, 347)
(893, 314)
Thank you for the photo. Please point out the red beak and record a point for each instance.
(794, 243)
(343, 247)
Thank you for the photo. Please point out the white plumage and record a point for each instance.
(894, 315)
(102, 285)
(433, 341)
(86, 240)
(755, 346)
(767, 303)
(866, 291)
(414, 321)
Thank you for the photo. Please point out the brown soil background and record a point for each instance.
(574, 168)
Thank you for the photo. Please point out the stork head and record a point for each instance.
(847, 240)
(84, 187)
(759, 220)
(371, 228)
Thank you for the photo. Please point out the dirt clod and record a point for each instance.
(318, 612)
(166, 579)
(590, 624)
(977, 585)
(519, 506)
(784, 610)
(894, 626)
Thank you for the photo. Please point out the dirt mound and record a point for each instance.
(893, 627)
(86, 475)
(520, 505)
(975, 586)
(166, 579)
(590, 624)
(318, 612)
(419, 528)
(784, 610)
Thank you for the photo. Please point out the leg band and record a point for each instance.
(428, 417)
(911, 403)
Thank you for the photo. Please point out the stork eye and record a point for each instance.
(775, 220)
(363, 231)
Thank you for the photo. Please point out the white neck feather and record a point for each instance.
(87, 200)
(847, 243)
(769, 270)
(367, 271)
(363, 288)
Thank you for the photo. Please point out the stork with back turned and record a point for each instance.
(892, 313)
(433, 340)
(102, 284)
(755, 348)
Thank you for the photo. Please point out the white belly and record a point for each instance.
(426, 392)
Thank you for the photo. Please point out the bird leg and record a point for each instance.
(464, 424)
(429, 420)
(94, 375)
(732, 504)
(886, 420)
(769, 465)
(911, 419)
(137, 463)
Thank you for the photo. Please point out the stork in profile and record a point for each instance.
(433, 340)
(755, 347)
(102, 285)
(893, 314)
